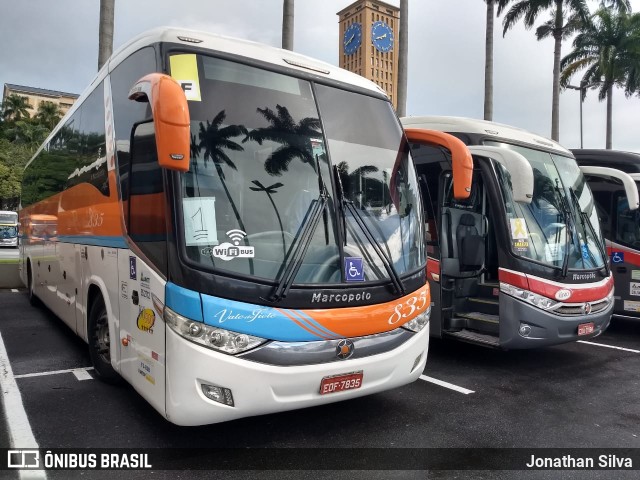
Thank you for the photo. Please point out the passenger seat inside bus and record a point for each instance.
(470, 244)
(466, 260)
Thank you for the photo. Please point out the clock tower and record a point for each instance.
(369, 43)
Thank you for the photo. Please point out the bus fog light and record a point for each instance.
(218, 394)
(416, 362)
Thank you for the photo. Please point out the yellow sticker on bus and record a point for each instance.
(184, 68)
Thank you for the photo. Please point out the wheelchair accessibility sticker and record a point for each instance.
(353, 269)
(617, 257)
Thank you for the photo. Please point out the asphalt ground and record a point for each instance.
(578, 395)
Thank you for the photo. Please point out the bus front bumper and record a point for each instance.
(543, 328)
(8, 242)
(259, 389)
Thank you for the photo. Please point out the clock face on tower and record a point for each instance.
(352, 38)
(382, 36)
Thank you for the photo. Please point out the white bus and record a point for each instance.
(238, 229)
(8, 229)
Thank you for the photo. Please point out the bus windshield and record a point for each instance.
(560, 226)
(7, 231)
(262, 145)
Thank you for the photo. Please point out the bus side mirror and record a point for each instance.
(629, 184)
(518, 167)
(170, 116)
(461, 161)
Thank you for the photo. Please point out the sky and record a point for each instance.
(53, 44)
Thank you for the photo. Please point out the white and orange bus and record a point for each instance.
(239, 229)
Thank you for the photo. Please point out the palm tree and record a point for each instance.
(607, 49)
(15, 108)
(287, 24)
(488, 62)
(49, 114)
(26, 132)
(105, 34)
(295, 139)
(565, 18)
(620, 5)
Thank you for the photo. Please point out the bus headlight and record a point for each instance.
(539, 301)
(211, 337)
(419, 322)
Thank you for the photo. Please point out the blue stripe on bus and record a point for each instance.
(258, 320)
(99, 241)
(185, 302)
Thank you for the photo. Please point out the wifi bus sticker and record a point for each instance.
(228, 251)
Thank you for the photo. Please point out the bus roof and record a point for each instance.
(243, 48)
(227, 45)
(628, 162)
(483, 127)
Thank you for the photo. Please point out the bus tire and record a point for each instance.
(31, 286)
(99, 342)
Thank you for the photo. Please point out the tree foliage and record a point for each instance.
(20, 136)
(607, 52)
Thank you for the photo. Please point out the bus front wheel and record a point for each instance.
(99, 342)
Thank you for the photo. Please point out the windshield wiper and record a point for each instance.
(348, 205)
(302, 241)
(568, 220)
(586, 222)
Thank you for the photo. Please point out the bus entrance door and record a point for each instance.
(469, 298)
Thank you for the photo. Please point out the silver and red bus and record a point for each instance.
(617, 209)
(521, 262)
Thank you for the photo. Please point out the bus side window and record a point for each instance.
(604, 207)
(146, 222)
(430, 163)
(626, 229)
(126, 113)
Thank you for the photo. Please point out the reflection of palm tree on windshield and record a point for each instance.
(369, 191)
(295, 139)
(195, 151)
(270, 190)
(214, 141)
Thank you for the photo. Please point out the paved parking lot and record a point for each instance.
(577, 395)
